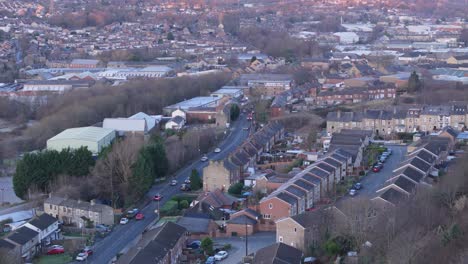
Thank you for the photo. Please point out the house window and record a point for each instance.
(270, 206)
(295, 229)
(64, 210)
(50, 206)
(280, 238)
(266, 216)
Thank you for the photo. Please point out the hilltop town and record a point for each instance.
(157, 131)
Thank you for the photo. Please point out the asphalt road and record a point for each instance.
(376, 180)
(237, 251)
(123, 236)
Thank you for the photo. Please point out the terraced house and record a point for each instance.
(415, 119)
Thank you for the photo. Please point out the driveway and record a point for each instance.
(255, 242)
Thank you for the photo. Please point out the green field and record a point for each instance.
(54, 259)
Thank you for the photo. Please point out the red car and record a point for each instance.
(139, 216)
(376, 168)
(157, 197)
(55, 249)
(88, 251)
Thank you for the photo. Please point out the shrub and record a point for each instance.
(236, 189)
(184, 204)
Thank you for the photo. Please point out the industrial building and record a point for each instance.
(94, 138)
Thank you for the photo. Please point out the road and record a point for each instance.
(237, 251)
(376, 180)
(123, 235)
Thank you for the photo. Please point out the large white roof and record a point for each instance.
(83, 133)
(125, 124)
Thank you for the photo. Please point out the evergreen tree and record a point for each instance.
(195, 180)
(235, 111)
(414, 83)
(170, 36)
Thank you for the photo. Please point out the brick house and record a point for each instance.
(276, 207)
(299, 231)
(239, 220)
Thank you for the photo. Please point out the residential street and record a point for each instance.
(375, 180)
(255, 242)
(123, 235)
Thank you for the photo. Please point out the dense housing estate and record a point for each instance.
(384, 122)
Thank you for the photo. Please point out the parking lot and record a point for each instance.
(237, 251)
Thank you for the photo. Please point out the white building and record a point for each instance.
(347, 37)
(94, 138)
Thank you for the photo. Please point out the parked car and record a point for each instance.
(132, 213)
(103, 228)
(173, 182)
(245, 128)
(124, 221)
(88, 251)
(210, 260)
(377, 168)
(357, 186)
(187, 181)
(55, 249)
(185, 187)
(157, 197)
(217, 150)
(194, 244)
(139, 216)
(81, 256)
(204, 158)
(221, 255)
(352, 192)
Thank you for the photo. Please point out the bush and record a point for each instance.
(331, 248)
(236, 189)
(184, 204)
(227, 246)
(207, 245)
(170, 208)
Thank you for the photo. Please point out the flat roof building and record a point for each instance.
(196, 102)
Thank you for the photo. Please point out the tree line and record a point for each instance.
(37, 170)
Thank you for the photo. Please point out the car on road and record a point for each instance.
(377, 168)
(357, 186)
(87, 250)
(210, 260)
(204, 158)
(132, 213)
(221, 255)
(185, 187)
(194, 244)
(173, 182)
(217, 150)
(139, 216)
(55, 249)
(81, 256)
(246, 128)
(124, 221)
(187, 181)
(157, 197)
(352, 192)
(103, 228)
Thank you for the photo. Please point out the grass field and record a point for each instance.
(54, 259)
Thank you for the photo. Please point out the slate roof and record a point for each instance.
(304, 184)
(287, 198)
(308, 219)
(43, 221)
(325, 167)
(413, 174)
(332, 162)
(194, 224)
(278, 253)
(417, 163)
(405, 184)
(242, 220)
(6, 244)
(296, 191)
(392, 196)
(320, 173)
(22, 235)
(166, 238)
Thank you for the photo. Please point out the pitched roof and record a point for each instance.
(165, 238)
(194, 224)
(308, 219)
(43, 221)
(22, 235)
(392, 196)
(242, 220)
(6, 244)
(287, 198)
(278, 253)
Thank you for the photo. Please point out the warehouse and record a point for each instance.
(95, 138)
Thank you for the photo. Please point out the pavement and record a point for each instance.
(124, 236)
(373, 181)
(237, 251)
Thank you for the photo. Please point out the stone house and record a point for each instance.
(76, 212)
(300, 231)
